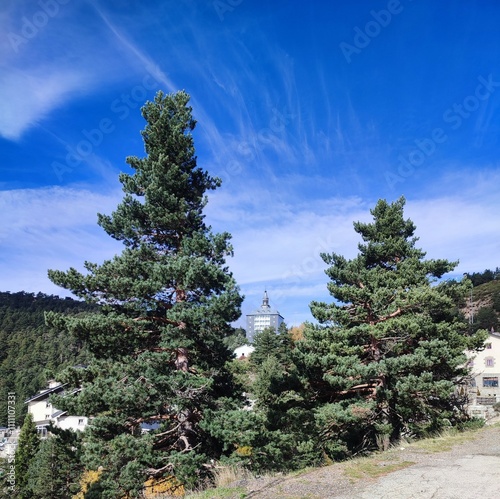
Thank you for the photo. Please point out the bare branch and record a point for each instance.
(153, 472)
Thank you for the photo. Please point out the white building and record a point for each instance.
(485, 367)
(262, 318)
(44, 412)
(244, 351)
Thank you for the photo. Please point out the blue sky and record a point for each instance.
(309, 112)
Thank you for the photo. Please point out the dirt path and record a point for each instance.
(467, 470)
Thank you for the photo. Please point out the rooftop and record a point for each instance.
(265, 308)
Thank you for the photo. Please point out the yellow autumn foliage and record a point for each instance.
(297, 332)
(153, 487)
(88, 478)
(165, 485)
(244, 450)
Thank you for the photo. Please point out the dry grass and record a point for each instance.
(226, 475)
(445, 440)
(225, 483)
(486, 290)
(373, 467)
(219, 493)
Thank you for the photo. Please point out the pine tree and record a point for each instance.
(27, 447)
(166, 303)
(266, 343)
(279, 433)
(387, 355)
(237, 339)
(54, 470)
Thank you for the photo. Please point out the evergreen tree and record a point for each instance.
(27, 447)
(237, 339)
(487, 275)
(486, 318)
(266, 343)
(55, 469)
(286, 343)
(166, 303)
(389, 352)
(288, 439)
(279, 433)
(496, 301)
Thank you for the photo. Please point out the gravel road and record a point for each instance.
(467, 471)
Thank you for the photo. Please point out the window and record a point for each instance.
(489, 361)
(47, 404)
(42, 431)
(80, 421)
(47, 416)
(488, 346)
(490, 382)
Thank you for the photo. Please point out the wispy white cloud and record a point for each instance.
(276, 243)
(51, 228)
(46, 64)
(133, 51)
(277, 246)
(462, 223)
(29, 96)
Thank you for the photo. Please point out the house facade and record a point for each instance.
(44, 412)
(262, 318)
(484, 390)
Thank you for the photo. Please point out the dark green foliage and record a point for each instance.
(243, 372)
(279, 433)
(95, 491)
(27, 447)
(5, 487)
(269, 343)
(55, 469)
(486, 318)
(388, 353)
(30, 352)
(286, 418)
(266, 343)
(166, 304)
(269, 439)
(237, 339)
(488, 275)
(496, 301)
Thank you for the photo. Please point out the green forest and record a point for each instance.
(152, 329)
(31, 352)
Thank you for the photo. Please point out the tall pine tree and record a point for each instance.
(387, 355)
(55, 469)
(27, 447)
(166, 303)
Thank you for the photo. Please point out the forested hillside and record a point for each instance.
(30, 352)
(483, 305)
(484, 277)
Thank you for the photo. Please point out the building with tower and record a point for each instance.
(263, 317)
